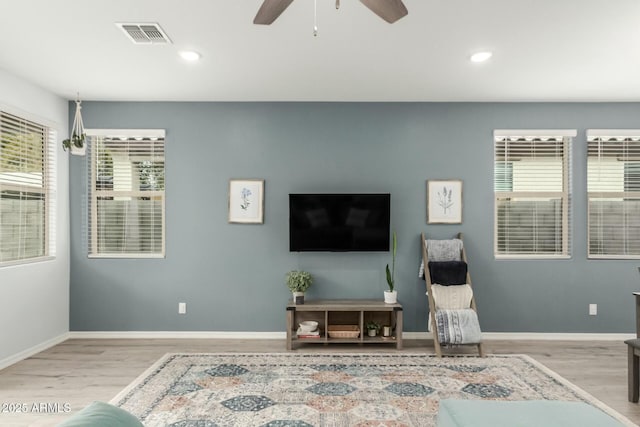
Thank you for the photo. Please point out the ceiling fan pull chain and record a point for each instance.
(315, 18)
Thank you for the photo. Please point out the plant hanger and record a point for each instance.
(77, 130)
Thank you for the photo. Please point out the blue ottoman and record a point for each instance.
(530, 413)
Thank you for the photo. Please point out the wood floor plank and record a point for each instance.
(79, 371)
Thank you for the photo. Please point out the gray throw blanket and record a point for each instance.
(441, 250)
(458, 327)
(444, 250)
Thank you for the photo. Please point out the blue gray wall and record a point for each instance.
(232, 276)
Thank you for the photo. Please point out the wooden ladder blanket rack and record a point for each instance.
(432, 304)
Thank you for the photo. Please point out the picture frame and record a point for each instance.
(444, 201)
(246, 201)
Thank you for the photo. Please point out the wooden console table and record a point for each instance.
(355, 312)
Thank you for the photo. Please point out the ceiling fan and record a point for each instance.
(389, 10)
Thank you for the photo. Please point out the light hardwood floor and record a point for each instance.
(79, 371)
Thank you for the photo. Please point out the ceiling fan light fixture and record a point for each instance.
(389, 10)
(190, 55)
(481, 56)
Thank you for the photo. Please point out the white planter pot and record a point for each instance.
(390, 297)
(78, 151)
(371, 332)
(298, 297)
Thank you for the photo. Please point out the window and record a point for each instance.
(613, 186)
(27, 190)
(126, 193)
(532, 188)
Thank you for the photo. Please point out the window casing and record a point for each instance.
(27, 190)
(126, 193)
(532, 188)
(613, 192)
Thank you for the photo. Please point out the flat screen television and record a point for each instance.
(339, 222)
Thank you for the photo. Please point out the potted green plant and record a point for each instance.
(372, 328)
(391, 296)
(75, 143)
(298, 282)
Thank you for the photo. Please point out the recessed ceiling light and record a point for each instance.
(481, 56)
(189, 55)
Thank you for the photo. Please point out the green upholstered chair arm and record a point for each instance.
(100, 414)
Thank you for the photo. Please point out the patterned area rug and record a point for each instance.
(283, 389)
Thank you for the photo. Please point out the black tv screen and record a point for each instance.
(339, 222)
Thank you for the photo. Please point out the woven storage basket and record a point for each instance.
(343, 331)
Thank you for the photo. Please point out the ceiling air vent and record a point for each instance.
(147, 33)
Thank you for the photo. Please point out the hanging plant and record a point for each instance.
(76, 142)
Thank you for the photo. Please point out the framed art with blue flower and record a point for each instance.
(444, 201)
(246, 201)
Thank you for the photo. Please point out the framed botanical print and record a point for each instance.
(444, 201)
(246, 201)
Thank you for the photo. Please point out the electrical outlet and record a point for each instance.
(593, 309)
(182, 308)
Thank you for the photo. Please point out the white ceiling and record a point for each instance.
(544, 50)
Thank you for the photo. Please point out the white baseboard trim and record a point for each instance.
(533, 336)
(33, 350)
(560, 336)
(177, 335)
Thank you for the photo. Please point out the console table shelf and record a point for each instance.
(345, 312)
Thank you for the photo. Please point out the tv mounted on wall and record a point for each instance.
(339, 222)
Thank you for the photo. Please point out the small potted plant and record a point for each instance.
(391, 296)
(372, 328)
(75, 143)
(298, 282)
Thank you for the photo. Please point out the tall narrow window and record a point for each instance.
(126, 193)
(532, 188)
(613, 185)
(27, 190)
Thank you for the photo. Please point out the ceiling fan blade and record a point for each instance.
(389, 10)
(270, 10)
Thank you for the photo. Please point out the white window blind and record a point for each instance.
(126, 193)
(613, 186)
(532, 190)
(27, 190)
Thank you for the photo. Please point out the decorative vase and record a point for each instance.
(298, 297)
(390, 297)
